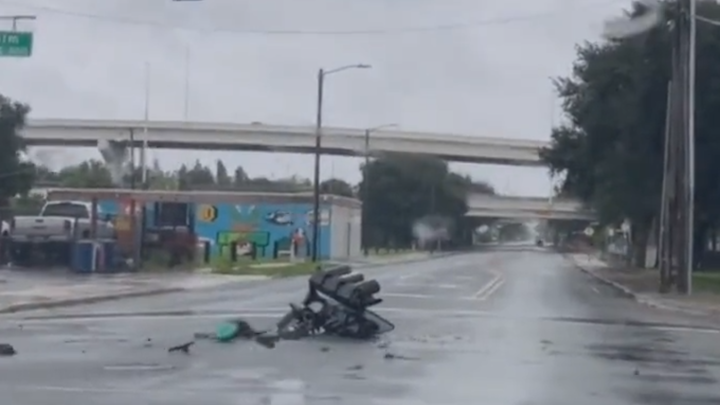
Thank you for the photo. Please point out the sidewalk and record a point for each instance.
(22, 292)
(642, 285)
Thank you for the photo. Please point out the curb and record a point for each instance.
(615, 285)
(639, 298)
(29, 306)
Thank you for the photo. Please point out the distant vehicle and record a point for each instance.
(60, 221)
(539, 243)
(52, 231)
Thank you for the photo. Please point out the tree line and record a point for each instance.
(610, 147)
(398, 190)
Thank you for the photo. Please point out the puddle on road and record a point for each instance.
(700, 378)
(652, 356)
(662, 397)
(634, 323)
(658, 367)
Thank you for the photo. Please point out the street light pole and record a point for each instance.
(318, 151)
(316, 173)
(186, 101)
(366, 184)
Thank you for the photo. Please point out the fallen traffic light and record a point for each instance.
(341, 285)
(337, 303)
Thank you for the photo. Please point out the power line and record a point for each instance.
(297, 32)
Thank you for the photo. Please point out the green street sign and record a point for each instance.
(16, 44)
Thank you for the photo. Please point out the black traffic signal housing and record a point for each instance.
(349, 289)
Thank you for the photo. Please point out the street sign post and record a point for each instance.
(17, 44)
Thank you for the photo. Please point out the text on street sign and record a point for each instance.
(16, 43)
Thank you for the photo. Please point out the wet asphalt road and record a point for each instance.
(516, 328)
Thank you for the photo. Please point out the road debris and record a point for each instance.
(336, 303)
(6, 349)
(393, 356)
(185, 348)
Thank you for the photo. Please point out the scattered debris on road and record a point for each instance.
(393, 356)
(337, 304)
(185, 348)
(7, 349)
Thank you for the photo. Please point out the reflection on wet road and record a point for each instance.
(516, 328)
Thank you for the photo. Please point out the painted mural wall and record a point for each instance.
(266, 228)
(270, 228)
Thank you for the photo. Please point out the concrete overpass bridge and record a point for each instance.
(278, 138)
(116, 135)
(483, 205)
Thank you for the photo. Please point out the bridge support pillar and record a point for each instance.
(115, 154)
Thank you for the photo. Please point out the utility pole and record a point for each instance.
(665, 223)
(316, 167)
(677, 230)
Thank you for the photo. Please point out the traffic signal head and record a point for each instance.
(345, 287)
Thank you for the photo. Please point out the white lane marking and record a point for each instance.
(410, 285)
(409, 295)
(259, 313)
(426, 296)
(408, 276)
(497, 277)
(686, 329)
(111, 318)
(595, 289)
(448, 286)
(274, 313)
(139, 367)
(492, 290)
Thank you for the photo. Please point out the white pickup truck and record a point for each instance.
(60, 221)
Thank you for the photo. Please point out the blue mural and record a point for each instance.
(261, 230)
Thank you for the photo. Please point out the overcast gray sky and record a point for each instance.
(477, 67)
